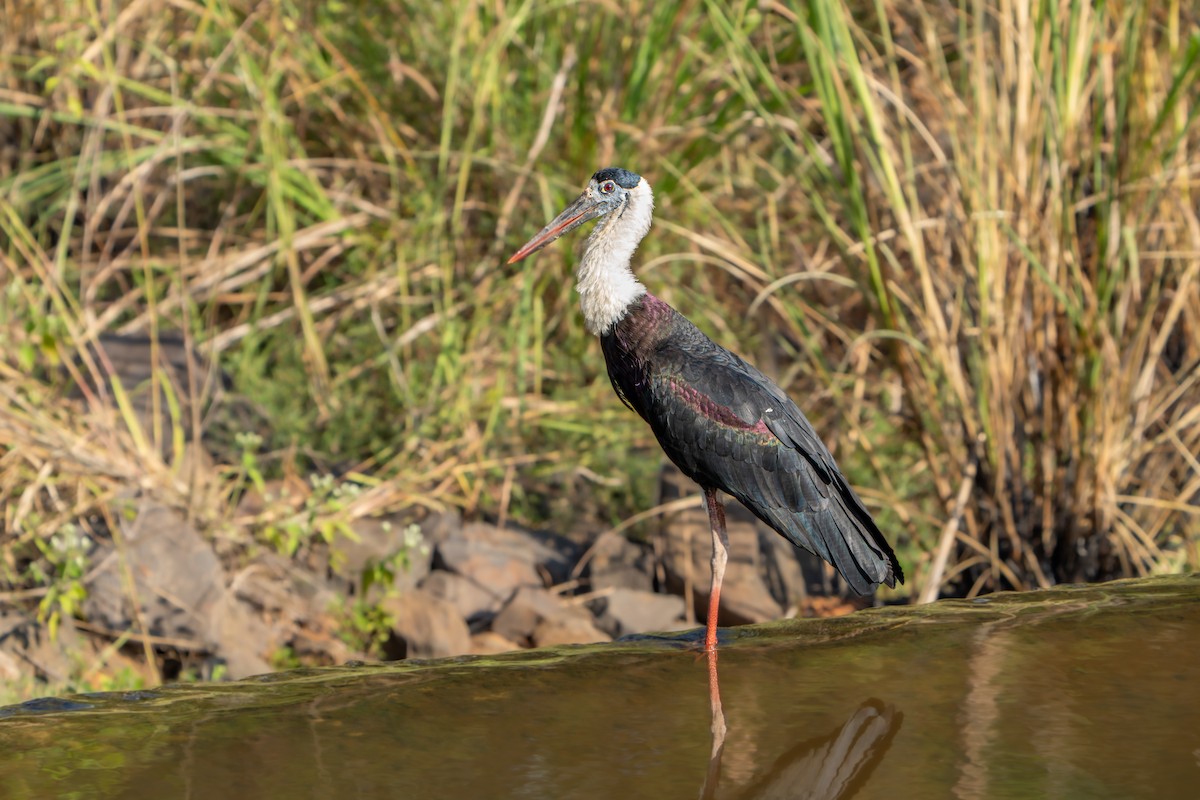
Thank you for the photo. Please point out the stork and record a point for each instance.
(726, 426)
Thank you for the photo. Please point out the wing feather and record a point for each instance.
(728, 426)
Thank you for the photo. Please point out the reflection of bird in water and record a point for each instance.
(725, 424)
(717, 727)
(833, 766)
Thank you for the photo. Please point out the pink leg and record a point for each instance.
(720, 555)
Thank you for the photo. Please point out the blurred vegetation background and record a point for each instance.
(964, 235)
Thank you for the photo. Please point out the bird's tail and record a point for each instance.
(843, 534)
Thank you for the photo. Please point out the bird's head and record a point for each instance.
(607, 191)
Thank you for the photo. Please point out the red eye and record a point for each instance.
(608, 187)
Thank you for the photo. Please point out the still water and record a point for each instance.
(1071, 693)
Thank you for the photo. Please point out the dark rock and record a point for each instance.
(424, 626)
(504, 559)
(625, 611)
(472, 601)
(130, 358)
(791, 574)
(616, 562)
(687, 558)
(47, 705)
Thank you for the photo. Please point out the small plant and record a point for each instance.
(324, 514)
(383, 572)
(285, 658)
(366, 626)
(325, 508)
(61, 570)
(121, 679)
(248, 443)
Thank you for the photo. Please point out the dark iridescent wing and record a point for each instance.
(727, 425)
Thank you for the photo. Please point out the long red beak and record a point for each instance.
(583, 209)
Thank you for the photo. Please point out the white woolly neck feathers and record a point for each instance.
(606, 284)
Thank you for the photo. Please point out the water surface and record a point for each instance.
(1071, 693)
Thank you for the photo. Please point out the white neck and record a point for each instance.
(606, 284)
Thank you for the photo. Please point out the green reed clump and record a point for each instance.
(1015, 186)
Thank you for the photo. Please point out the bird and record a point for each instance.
(725, 424)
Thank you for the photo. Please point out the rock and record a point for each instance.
(10, 670)
(535, 616)
(281, 592)
(27, 649)
(129, 358)
(472, 601)
(440, 526)
(180, 590)
(791, 574)
(616, 562)
(574, 626)
(625, 611)
(521, 615)
(241, 638)
(687, 558)
(489, 556)
(486, 643)
(293, 605)
(321, 647)
(502, 560)
(424, 626)
(187, 371)
(392, 539)
(177, 576)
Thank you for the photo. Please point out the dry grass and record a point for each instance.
(966, 237)
(1038, 173)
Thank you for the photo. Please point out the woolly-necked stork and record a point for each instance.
(725, 424)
